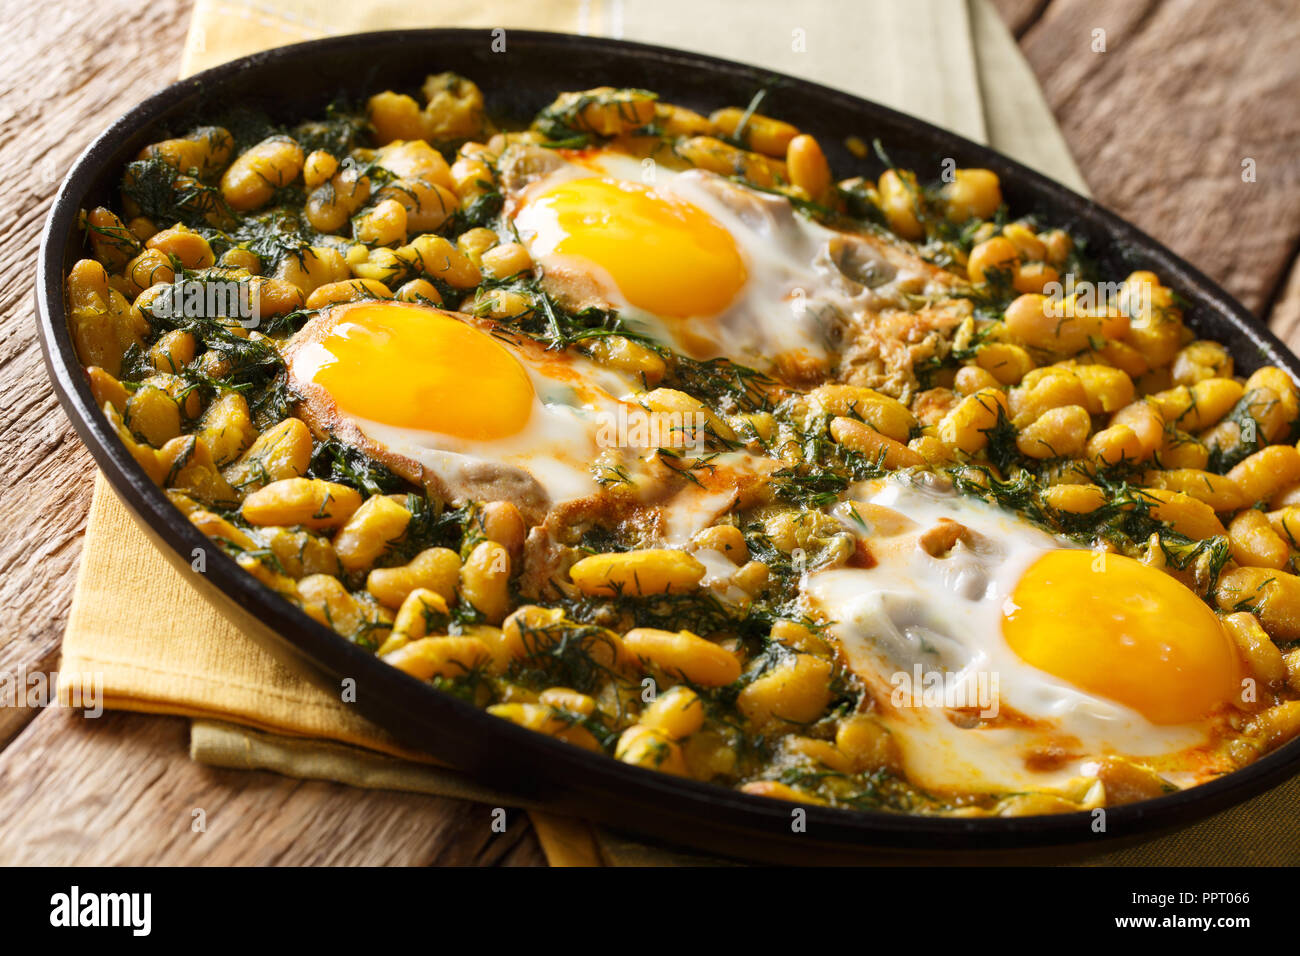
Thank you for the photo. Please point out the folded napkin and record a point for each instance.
(951, 62)
(162, 648)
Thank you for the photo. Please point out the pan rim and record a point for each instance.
(334, 655)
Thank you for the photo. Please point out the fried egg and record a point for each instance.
(477, 413)
(1004, 659)
(704, 265)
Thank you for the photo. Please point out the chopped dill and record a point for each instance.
(166, 195)
(1001, 449)
(336, 461)
(808, 487)
(546, 320)
(564, 123)
(728, 386)
(343, 129)
(1249, 440)
(567, 653)
(431, 526)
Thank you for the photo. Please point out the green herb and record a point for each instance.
(546, 320)
(726, 385)
(565, 653)
(334, 460)
(167, 196)
(482, 211)
(808, 487)
(1249, 440)
(563, 124)
(1001, 450)
(254, 367)
(599, 539)
(273, 235)
(431, 526)
(344, 129)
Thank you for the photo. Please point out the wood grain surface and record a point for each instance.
(1161, 122)
(121, 789)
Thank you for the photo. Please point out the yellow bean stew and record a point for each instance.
(641, 430)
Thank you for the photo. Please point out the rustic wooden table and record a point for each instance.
(1160, 123)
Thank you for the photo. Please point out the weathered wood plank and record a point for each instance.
(1159, 123)
(1162, 121)
(68, 70)
(1020, 15)
(118, 790)
(1284, 318)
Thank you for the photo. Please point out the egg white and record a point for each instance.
(795, 297)
(570, 445)
(560, 445)
(944, 615)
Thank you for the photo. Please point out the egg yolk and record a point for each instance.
(1117, 628)
(413, 367)
(666, 256)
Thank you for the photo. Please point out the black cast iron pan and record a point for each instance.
(296, 82)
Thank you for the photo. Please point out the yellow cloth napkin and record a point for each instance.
(158, 646)
(161, 648)
(951, 62)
